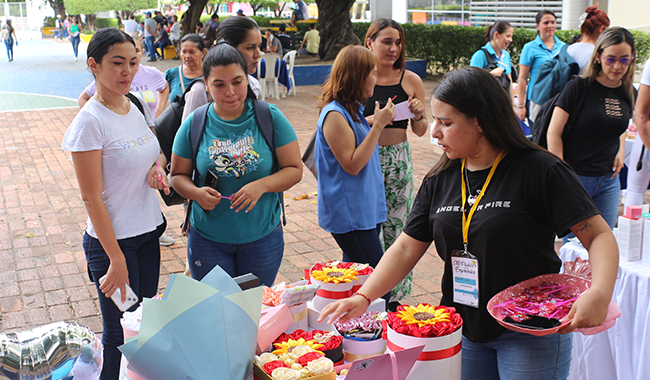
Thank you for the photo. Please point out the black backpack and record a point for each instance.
(540, 127)
(503, 79)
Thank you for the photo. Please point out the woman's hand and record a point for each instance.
(416, 107)
(618, 163)
(589, 310)
(497, 72)
(521, 113)
(384, 116)
(344, 309)
(157, 179)
(247, 196)
(116, 277)
(208, 198)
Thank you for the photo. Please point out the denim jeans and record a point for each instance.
(261, 257)
(9, 44)
(362, 246)
(606, 193)
(75, 44)
(516, 356)
(142, 254)
(149, 45)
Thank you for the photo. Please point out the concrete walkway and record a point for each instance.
(42, 265)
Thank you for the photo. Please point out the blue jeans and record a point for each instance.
(149, 44)
(516, 356)
(606, 193)
(261, 257)
(9, 44)
(75, 44)
(362, 246)
(162, 46)
(142, 254)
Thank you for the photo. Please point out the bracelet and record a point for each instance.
(521, 106)
(416, 120)
(364, 296)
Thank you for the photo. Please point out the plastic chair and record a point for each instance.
(290, 58)
(270, 76)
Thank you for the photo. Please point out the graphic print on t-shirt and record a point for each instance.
(235, 156)
(613, 108)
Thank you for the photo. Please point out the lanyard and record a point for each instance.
(467, 219)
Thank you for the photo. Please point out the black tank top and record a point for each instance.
(381, 94)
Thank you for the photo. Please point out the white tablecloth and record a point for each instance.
(622, 352)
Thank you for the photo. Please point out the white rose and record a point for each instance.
(283, 373)
(267, 357)
(301, 350)
(321, 366)
(287, 356)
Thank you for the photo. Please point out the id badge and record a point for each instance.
(465, 278)
(148, 96)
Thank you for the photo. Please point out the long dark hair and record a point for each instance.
(223, 55)
(103, 40)
(499, 27)
(474, 93)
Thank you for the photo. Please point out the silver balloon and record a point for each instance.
(58, 351)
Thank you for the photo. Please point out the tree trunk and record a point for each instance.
(335, 27)
(192, 16)
(58, 6)
(90, 21)
(278, 10)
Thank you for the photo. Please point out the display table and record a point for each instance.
(622, 352)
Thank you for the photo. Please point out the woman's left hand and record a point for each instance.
(618, 164)
(416, 107)
(157, 179)
(247, 196)
(589, 310)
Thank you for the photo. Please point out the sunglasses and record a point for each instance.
(611, 61)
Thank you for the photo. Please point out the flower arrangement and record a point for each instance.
(424, 320)
(362, 269)
(291, 366)
(325, 341)
(364, 327)
(334, 274)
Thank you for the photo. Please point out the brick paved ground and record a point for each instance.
(42, 265)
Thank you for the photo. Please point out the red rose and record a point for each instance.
(306, 358)
(300, 334)
(270, 366)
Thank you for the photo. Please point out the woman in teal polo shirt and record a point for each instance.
(544, 47)
(497, 38)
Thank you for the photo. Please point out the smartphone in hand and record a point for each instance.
(131, 297)
(211, 180)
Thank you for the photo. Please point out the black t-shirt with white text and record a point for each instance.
(532, 197)
(592, 143)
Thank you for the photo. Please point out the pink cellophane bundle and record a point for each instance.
(579, 268)
(427, 331)
(549, 300)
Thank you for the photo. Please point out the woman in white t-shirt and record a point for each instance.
(116, 158)
(638, 178)
(592, 23)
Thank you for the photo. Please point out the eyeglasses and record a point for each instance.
(611, 61)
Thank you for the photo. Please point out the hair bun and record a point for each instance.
(592, 10)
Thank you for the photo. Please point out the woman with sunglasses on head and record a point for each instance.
(594, 146)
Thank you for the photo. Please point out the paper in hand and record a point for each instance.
(402, 111)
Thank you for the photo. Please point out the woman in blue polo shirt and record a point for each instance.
(497, 38)
(544, 47)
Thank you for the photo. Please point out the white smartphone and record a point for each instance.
(131, 297)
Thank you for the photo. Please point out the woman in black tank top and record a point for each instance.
(385, 38)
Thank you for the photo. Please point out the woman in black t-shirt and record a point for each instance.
(531, 196)
(595, 145)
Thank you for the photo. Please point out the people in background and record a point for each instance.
(638, 176)
(162, 41)
(497, 37)
(58, 23)
(595, 144)
(253, 241)
(351, 197)
(150, 27)
(131, 27)
(544, 47)
(385, 39)
(273, 45)
(8, 35)
(175, 35)
(74, 36)
(192, 53)
(240, 13)
(300, 12)
(310, 42)
(484, 148)
(592, 23)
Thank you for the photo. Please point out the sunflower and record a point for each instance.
(423, 315)
(335, 275)
(290, 345)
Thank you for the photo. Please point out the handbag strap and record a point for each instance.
(393, 362)
(180, 77)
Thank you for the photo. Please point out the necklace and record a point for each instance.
(471, 199)
(104, 101)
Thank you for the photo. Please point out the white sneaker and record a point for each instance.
(165, 240)
(75, 59)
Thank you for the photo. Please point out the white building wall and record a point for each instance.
(571, 12)
(631, 14)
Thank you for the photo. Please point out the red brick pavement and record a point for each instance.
(42, 265)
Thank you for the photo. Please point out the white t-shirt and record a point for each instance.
(129, 149)
(175, 33)
(581, 52)
(131, 27)
(645, 75)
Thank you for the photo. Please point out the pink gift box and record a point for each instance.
(273, 322)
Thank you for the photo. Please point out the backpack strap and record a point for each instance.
(197, 128)
(134, 99)
(583, 85)
(265, 123)
(488, 56)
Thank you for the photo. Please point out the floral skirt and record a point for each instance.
(397, 166)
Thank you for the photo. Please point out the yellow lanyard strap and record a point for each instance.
(467, 219)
